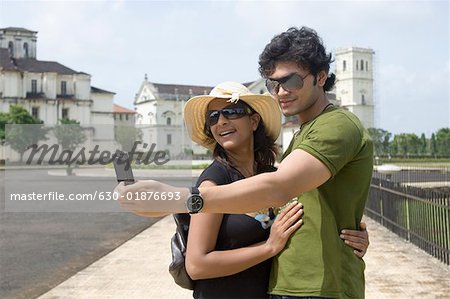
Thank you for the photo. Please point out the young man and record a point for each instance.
(328, 166)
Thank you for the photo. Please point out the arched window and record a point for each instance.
(168, 121)
(25, 49)
(363, 100)
(344, 65)
(357, 64)
(362, 65)
(11, 48)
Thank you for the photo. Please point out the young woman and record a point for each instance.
(229, 255)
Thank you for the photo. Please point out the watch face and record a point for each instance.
(195, 203)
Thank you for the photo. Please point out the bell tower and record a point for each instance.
(354, 85)
(21, 42)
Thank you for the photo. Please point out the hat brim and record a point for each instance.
(195, 115)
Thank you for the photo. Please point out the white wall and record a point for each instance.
(82, 85)
(118, 121)
(101, 117)
(12, 84)
(50, 85)
(364, 113)
(103, 102)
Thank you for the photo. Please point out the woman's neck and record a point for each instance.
(244, 161)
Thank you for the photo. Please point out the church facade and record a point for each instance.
(159, 109)
(49, 90)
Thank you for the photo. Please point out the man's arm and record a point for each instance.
(298, 172)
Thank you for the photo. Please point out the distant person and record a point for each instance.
(328, 166)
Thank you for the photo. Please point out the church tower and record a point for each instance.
(20, 42)
(354, 85)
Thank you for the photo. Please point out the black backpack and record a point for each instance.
(178, 244)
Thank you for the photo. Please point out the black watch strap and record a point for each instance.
(194, 202)
(194, 190)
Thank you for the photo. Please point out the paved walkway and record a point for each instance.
(138, 269)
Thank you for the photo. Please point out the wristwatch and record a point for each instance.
(195, 201)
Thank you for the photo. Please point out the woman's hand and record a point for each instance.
(284, 225)
(152, 198)
(357, 239)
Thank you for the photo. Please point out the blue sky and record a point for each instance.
(205, 43)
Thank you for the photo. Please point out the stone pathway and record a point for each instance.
(138, 269)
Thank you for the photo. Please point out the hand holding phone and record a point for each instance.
(122, 165)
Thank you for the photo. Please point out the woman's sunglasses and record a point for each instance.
(290, 82)
(228, 113)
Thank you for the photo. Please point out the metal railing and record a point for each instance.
(421, 216)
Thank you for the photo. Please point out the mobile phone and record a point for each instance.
(122, 165)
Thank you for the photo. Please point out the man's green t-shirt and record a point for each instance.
(315, 261)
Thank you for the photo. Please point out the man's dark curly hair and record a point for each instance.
(302, 46)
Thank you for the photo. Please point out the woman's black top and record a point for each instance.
(236, 231)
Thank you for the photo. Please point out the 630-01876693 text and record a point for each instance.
(102, 195)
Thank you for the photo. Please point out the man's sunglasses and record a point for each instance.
(228, 113)
(290, 82)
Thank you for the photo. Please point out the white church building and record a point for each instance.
(159, 106)
(159, 110)
(49, 90)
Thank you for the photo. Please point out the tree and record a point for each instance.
(423, 144)
(70, 135)
(126, 136)
(413, 143)
(443, 142)
(3, 122)
(393, 147)
(386, 142)
(401, 141)
(380, 140)
(406, 144)
(25, 130)
(433, 145)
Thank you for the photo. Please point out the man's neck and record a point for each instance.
(315, 110)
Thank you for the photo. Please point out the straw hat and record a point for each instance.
(196, 108)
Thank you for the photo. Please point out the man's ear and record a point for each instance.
(322, 78)
(255, 118)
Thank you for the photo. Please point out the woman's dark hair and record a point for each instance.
(302, 46)
(264, 148)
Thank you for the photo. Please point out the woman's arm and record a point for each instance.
(203, 262)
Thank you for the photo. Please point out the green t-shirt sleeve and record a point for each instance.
(333, 139)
